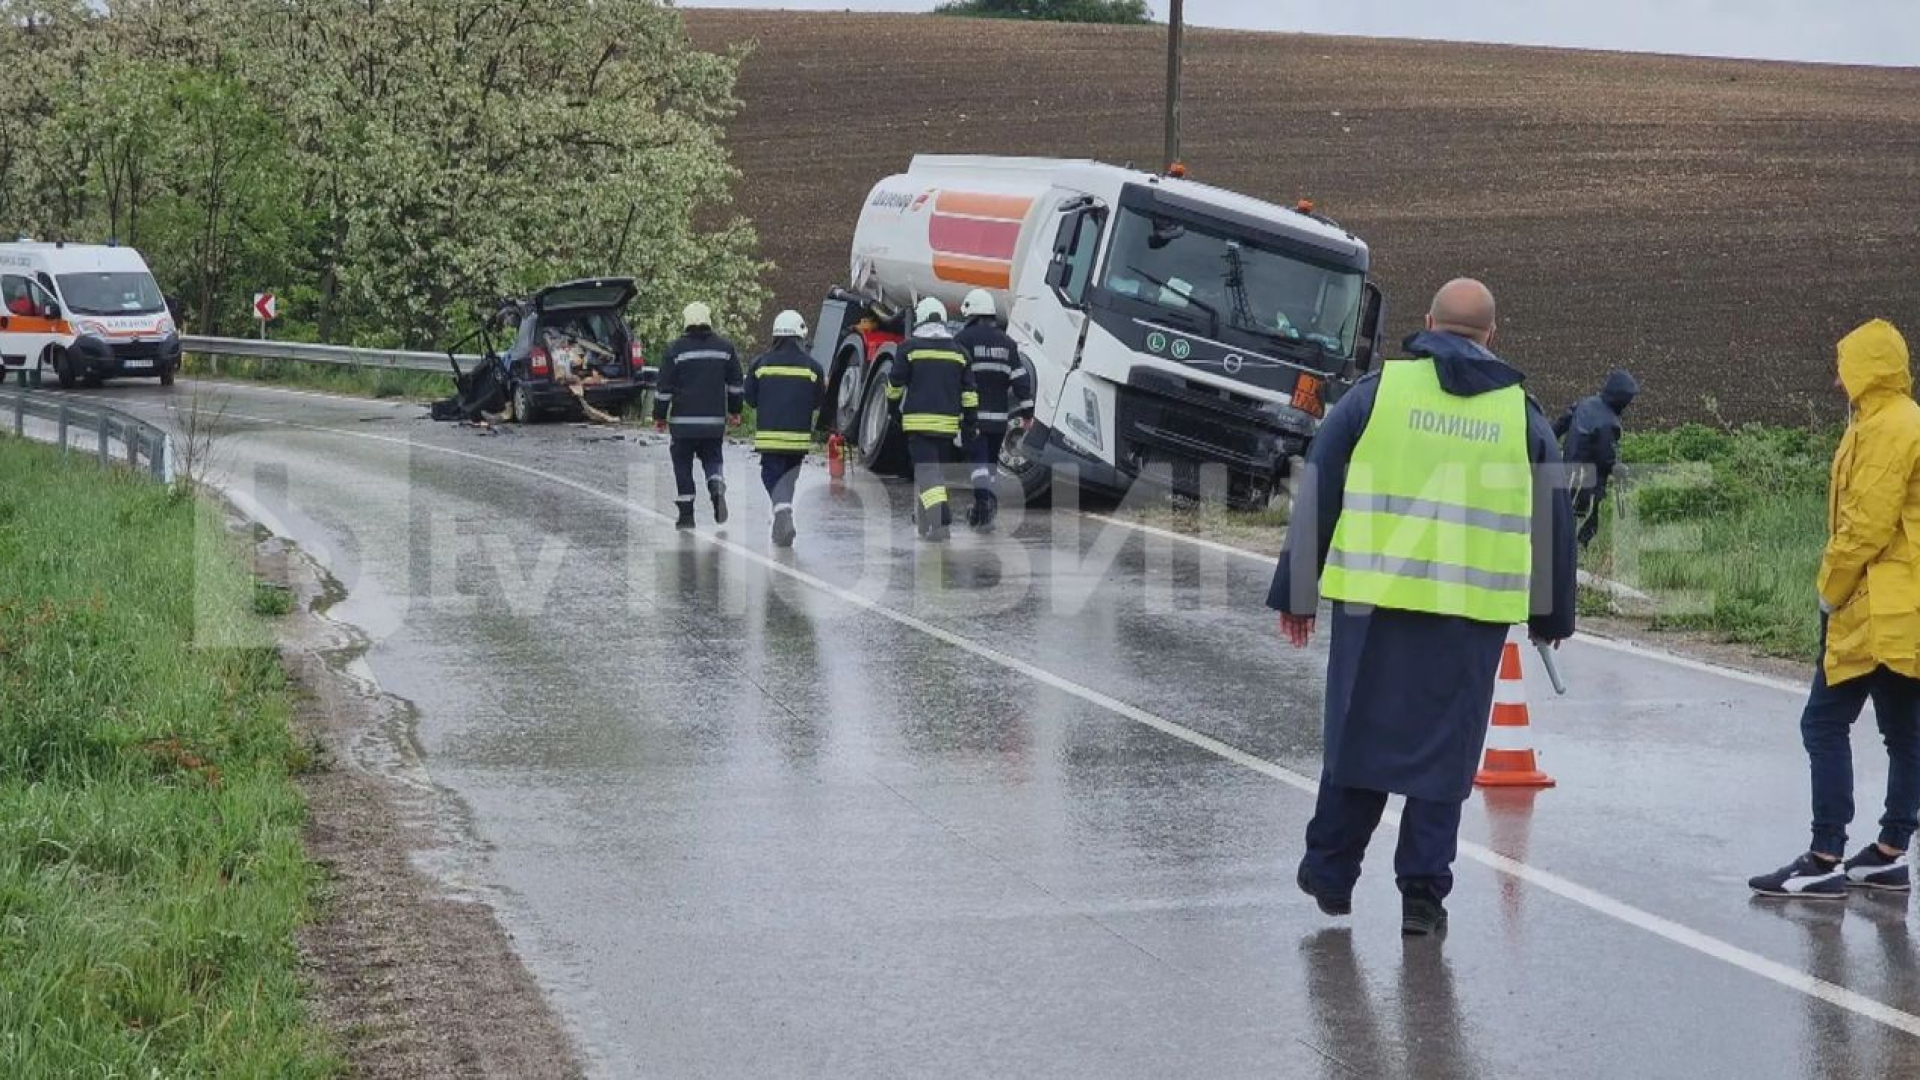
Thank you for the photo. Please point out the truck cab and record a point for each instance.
(1178, 334)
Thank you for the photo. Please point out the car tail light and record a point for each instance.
(637, 355)
(537, 362)
(1306, 396)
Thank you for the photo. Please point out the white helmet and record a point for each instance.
(978, 302)
(929, 310)
(697, 314)
(789, 324)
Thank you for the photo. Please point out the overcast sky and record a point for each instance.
(1850, 31)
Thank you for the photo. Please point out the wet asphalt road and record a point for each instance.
(1031, 804)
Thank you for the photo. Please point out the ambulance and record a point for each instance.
(82, 314)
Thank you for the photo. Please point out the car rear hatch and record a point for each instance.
(583, 328)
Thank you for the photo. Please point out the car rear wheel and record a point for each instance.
(523, 408)
(883, 446)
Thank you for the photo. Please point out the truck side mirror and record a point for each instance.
(1057, 272)
(1373, 316)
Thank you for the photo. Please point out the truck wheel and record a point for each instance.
(1034, 477)
(883, 446)
(846, 394)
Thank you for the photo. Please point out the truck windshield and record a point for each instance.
(127, 293)
(1214, 280)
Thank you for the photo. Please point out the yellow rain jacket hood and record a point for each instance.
(1870, 573)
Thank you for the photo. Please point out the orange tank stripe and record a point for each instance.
(976, 204)
(986, 273)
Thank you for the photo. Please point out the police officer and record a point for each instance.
(932, 384)
(1419, 514)
(787, 390)
(698, 395)
(1005, 392)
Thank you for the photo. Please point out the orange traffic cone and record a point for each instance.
(1509, 760)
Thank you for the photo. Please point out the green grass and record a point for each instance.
(151, 870)
(1725, 528)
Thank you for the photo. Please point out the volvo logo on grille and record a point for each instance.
(1232, 363)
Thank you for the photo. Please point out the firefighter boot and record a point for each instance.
(986, 507)
(783, 530)
(685, 521)
(718, 489)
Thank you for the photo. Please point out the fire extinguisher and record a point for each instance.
(836, 456)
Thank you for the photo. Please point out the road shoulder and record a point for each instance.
(411, 981)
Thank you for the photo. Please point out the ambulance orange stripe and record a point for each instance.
(976, 204)
(986, 273)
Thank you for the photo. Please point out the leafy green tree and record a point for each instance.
(1082, 11)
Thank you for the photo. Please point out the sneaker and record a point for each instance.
(783, 530)
(1421, 913)
(1806, 877)
(1875, 869)
(719, 491)
(685, 521)
(1330, 904)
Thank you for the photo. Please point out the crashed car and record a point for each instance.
(572, 351)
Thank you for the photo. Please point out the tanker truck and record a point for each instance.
(1176, 333)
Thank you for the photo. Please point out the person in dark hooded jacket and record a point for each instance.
(1590, 429)
(1444, 453)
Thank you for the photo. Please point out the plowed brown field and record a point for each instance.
(1714, 225)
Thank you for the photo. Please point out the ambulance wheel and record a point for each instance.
(61, 369)
(882, 445)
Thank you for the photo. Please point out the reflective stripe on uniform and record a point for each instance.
(991, 368)
(1431, 510)
(933, 496)
(993, 416)
(698, 421)
(663, 397)
(895, 393)
(785, 372)
(782, 440)
(702, 354)
(930, 424)
(1438, 572)
(937, 354)
(969, 399)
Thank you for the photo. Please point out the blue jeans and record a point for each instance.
(1344, 819)
(1826, 729)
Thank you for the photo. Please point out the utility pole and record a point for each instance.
(1176, 33)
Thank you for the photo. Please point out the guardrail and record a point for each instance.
(303, 353)
(142, 446)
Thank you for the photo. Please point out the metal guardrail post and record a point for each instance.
(20, 415)
(63, 427)
(135, 438)
(106, 436)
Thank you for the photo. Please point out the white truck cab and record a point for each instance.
(83, 313)
(1175, 330)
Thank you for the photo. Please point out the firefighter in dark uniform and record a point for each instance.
(698, 396)
(1006, 393)
(1433, 511)
(932, 385)
(786, 389)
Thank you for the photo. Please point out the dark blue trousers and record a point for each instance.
(684, 452)
(778, 474)
(1826, 729)
(1344, 820)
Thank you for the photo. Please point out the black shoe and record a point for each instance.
(719, 491)
(980, 516)
(686, 517)
(1329, 903)
(783, 530)
(1421, 913)
(1875, 869)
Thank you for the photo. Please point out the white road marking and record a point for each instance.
(1679, 934)
(1627, 648)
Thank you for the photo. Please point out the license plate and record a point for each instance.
(136, 365)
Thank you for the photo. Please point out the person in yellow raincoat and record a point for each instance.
(1869, 587)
